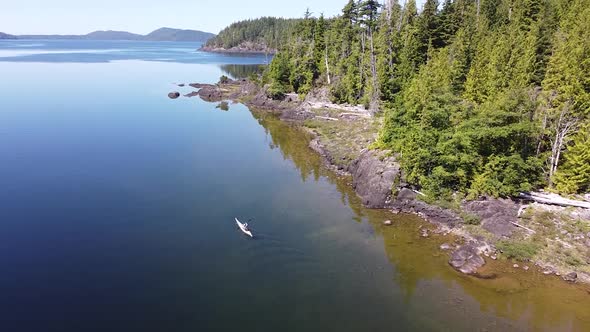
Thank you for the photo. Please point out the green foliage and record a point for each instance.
(505, 176)
(470, 219)
(266, 32)
(276, 91)
(223, 79)
(574, 175)
(278, 74)
(473, 96)
(519, 250)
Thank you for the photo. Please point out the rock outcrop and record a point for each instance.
(496, 215)
(373, 176)
(467, 259)
(174, 95)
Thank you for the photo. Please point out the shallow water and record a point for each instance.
(118, 204)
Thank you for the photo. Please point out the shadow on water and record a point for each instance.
(515, 299)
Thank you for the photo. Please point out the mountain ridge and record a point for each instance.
(6, 36)
(161, 34)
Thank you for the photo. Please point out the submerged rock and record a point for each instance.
(387, 223)
(446, 246)
(466, 259)
(174, 95)
(224, 106)
(192, 94)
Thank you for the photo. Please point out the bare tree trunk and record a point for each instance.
(388, 8)
(401, 18)
(542, 134)
(362, 62)
(375, 91)
(565, 125)
(478, 1)
(327, 66)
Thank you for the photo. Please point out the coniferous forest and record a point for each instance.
(479, 97)
(267, 32)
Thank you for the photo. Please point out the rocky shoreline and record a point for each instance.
(378, 180)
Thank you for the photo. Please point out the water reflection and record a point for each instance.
(237, 71)
(515, 300)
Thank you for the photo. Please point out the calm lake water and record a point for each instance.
(117, 209)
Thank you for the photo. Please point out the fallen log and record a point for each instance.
(554, 199)
(326, 118)
(521, 226)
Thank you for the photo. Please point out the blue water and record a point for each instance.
(92, 51)
(117, 207)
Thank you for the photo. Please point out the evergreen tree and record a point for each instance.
(574, 174)
(476, 94)
(567, 84)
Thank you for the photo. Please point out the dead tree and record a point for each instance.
(566, 123)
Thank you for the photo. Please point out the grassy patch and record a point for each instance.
(444, 202)
(470, 218)
(345, 138)
(478, 231)
(519, 250)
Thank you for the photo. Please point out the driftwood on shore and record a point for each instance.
(554, 199)
(521, 226)
(326, 118)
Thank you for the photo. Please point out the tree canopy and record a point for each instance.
(264, 32)
(481, 97)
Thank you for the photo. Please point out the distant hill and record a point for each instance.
(113, 35)
(163, 34)
(169, 34)
(6, 36)
(261, 35)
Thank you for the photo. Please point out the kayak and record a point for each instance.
(243, 228)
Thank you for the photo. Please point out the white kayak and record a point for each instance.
(243, 228)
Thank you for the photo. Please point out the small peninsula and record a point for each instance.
(261, 35)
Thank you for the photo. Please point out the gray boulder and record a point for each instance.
(466, 259)
(174, 95)
(570, 277)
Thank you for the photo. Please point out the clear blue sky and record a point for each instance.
(143, 16)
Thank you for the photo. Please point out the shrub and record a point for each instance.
(276, 91)
(519, 250)
(223, 79)
(505, 176)
(470, 218)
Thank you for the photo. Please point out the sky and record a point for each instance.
(143, 16)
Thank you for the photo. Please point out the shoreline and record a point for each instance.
(342, 134)
(237, 50)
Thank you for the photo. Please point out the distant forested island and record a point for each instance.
(162, 34)
(261, 35)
